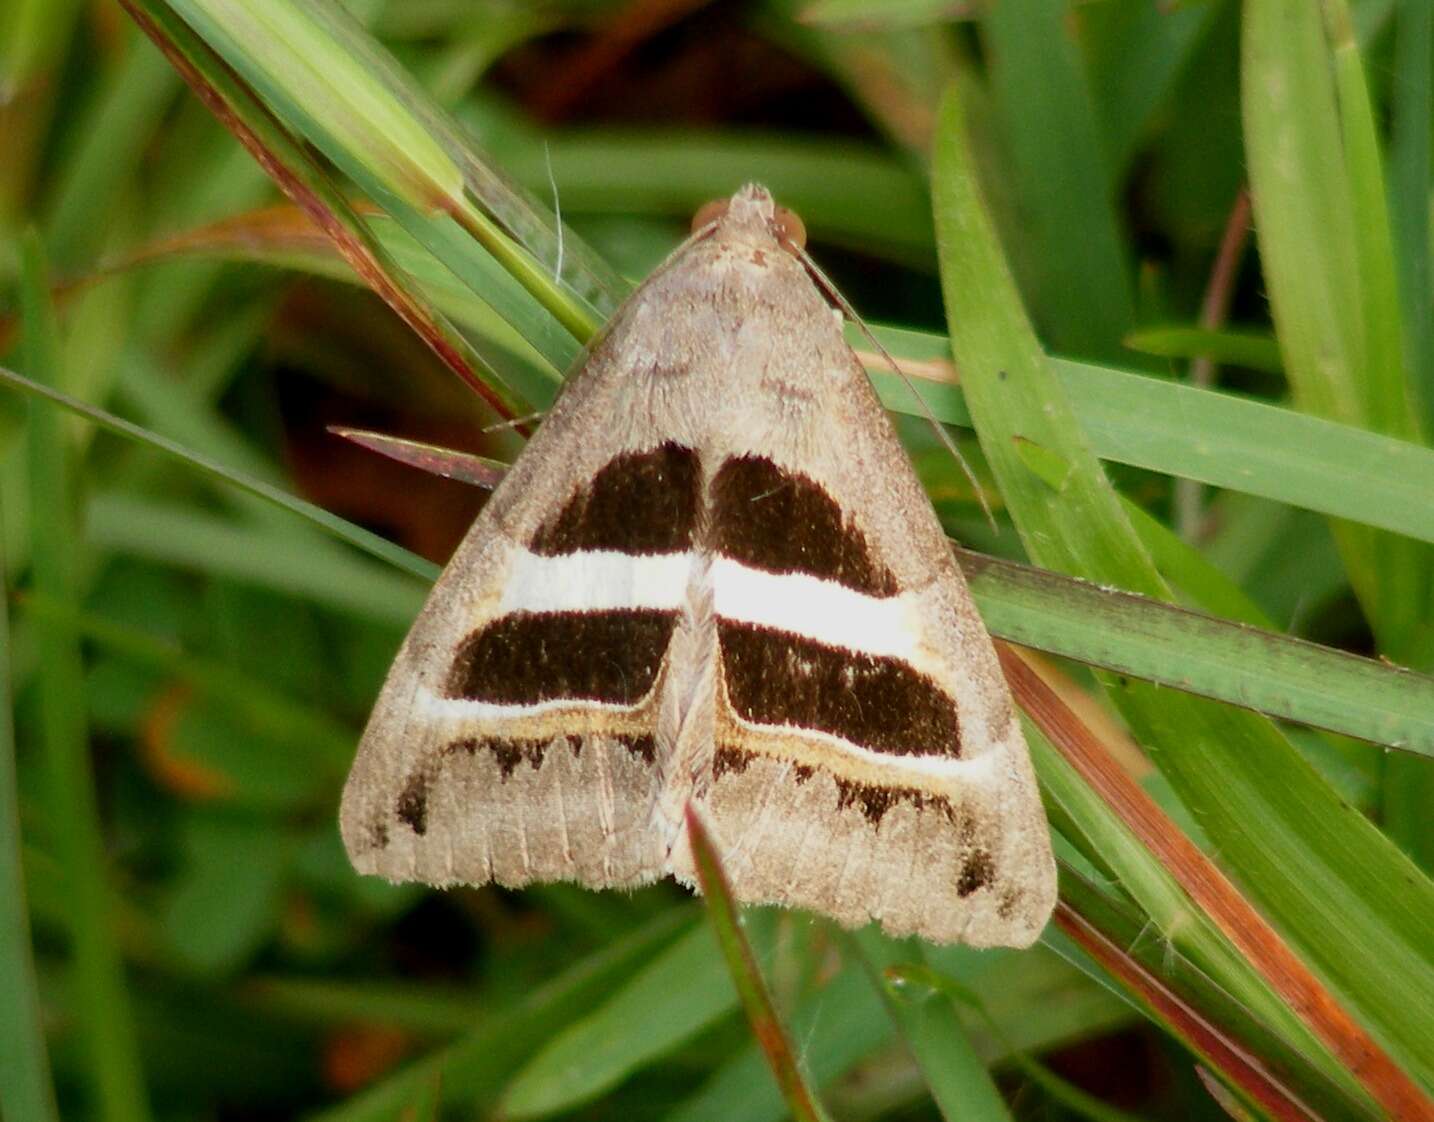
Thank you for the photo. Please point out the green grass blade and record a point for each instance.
(128, 104)
(1246, 666)
(1313, 864)
(26, 1093)
(101, 1000)
(475, 1069)
(189, 538)
(1257, 350)
(1324, 243)
(369, 542)
(1214, 437)
(350, 99)
(766, 1025)
(1063, 181)
(1233, 442)
(960, 1085)
(1410, 163)
(839, 1024)
(1136, 55)
(634, 1026)
(916, 983)
(300, 177)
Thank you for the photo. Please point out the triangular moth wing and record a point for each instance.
(866, 760)
(518, 735)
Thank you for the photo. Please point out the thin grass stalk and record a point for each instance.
(302, 181)
(1243, 1069)
(100, 996)
(742, 964)
(26, 1093)
(1213, 893)
(959, 1082)
(366, 540)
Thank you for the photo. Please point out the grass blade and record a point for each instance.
(1078, 272)
(742, 965)
(26, 1093)
(101, 998)
(1231, 662)
(1210, 890)
(370, 543)
(635, 1025)
(475, 1069)
(959, 1082)
(1268, 812)
(300, 178)
(1243, 1069)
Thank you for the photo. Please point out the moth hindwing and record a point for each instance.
(712, 577)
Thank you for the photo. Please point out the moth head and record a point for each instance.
(752, 209)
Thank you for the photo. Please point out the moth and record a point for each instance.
(712, 578)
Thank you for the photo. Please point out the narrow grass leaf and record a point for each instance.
(123, 111)
(1062, 177)
(369, 123)
(1410, 161)
(861, 15)
(26, 1093)
(762, 1014)
(300, 177)
(363, 539)
(101, 999)
(635, 1025)
(476, 1068)
(1135, 55)
(1308, 859)
(913, 981)
(1242, 665)
(957, 1079)
(1255, 350)
(839, 1024)
(1242, 1069)
(193, 539)
(1327, 263)
(1193, 878)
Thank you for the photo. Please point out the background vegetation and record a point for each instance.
(1190, 240)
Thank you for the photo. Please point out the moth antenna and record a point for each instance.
(557, 212)
(844, 306)
(514, 422)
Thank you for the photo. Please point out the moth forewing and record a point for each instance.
(712, 578)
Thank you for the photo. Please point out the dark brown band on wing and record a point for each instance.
(527, 657)
(782, 521)
(638, 503)
(778, 678)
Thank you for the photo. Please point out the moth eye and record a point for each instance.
(708, 213)
(790, 228)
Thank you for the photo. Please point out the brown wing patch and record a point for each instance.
(638, 503)
(778, 678)
(527, 657)
(412, 808)
(782, 521)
